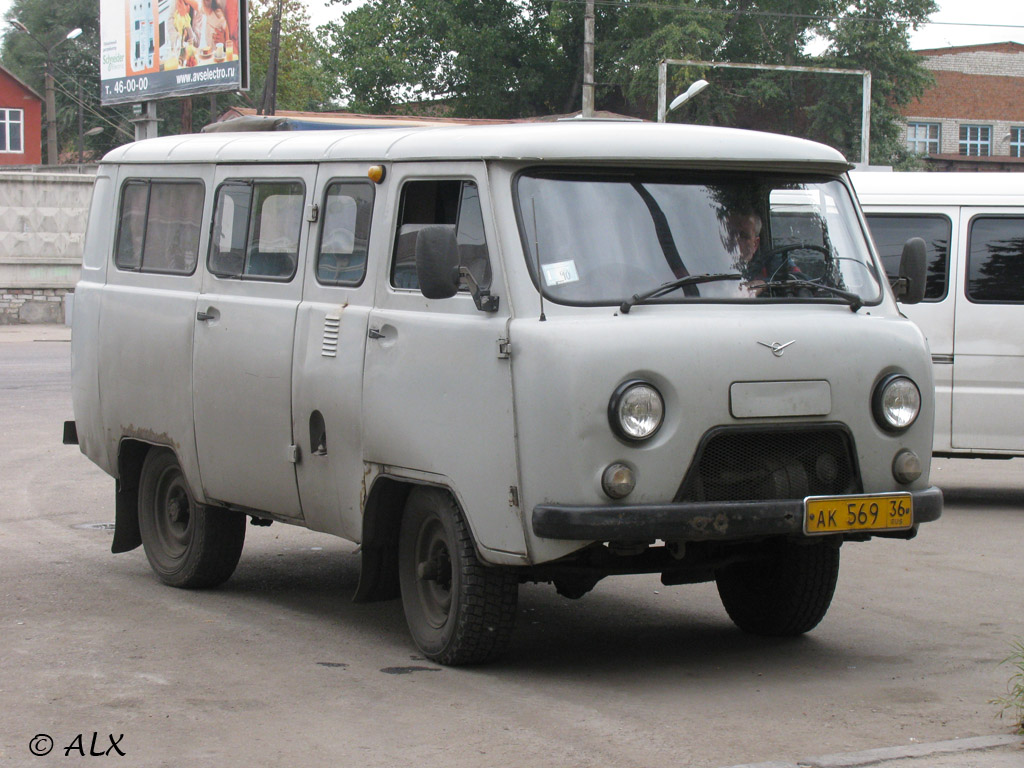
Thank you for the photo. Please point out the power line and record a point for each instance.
(653, 4)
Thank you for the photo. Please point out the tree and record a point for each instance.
(518, 58)
(302, 81)
(502, 58)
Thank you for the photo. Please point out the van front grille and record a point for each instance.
(740, 464)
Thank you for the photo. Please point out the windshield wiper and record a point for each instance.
(661, 290)
(855, 301)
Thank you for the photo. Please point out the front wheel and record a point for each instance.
(787, 593)
(459, 611)
(187, 544)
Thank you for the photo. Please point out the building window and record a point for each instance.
(923, 138)
(976, 140)
(12, 130)
(1017, 142)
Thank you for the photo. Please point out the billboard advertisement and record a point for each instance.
(155, 49)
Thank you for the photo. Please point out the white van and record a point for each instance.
(973, 308)
(494, 355)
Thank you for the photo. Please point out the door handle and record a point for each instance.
(211, 314)
(375, 333)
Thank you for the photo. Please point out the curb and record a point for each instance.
(886, 754)
(23, 333)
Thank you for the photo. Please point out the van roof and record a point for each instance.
(566, 141)
(937, 188)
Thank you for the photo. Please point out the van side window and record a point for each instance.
(256, 229)
(344, 238)
(159, 226)
(995, 259)
(451, 202)
(891, 231)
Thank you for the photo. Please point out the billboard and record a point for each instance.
(155, 49)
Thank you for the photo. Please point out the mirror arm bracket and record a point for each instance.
(483, 299)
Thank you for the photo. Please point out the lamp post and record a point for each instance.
(692, 91)
(51, 110)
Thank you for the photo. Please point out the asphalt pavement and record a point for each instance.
(998, 750)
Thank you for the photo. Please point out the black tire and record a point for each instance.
(783, 595)
(459, 611)
(187, 544)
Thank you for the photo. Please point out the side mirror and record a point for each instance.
(437, 261)
(909, 286)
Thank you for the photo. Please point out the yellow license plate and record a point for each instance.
(841, 514)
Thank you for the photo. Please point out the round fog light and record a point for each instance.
(618, 481)
(906, 467)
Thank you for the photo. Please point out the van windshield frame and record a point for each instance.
(598, 237)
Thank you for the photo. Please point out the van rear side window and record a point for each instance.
(159, 226)
(891, 231)
(344, 240)
(256, 228)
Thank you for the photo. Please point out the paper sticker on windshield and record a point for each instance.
(560, 273)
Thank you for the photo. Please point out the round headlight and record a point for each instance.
(896, 403)
(636, 410)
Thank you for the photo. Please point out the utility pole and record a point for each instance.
(268, 102)
(588, 61)
(51, 117)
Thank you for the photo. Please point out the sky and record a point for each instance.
(958, 22)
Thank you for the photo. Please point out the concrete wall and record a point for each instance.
(42, 229)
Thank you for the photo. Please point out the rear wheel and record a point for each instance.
(459, 611)
(187, 544)
(787, 593)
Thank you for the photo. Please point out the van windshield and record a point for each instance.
(603, 238)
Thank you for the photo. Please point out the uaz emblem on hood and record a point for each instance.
(776, 347)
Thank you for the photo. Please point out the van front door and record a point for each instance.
(988, 364)
(437, 389)
(245, 325)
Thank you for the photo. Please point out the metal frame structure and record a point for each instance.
(865, 74)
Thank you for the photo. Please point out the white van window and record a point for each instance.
(995, 260)
(345, 235)
(256, 229)
(451, 202)
(598, 239)
(159, 226)
(891, 231)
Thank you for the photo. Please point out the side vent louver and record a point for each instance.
(332, 326)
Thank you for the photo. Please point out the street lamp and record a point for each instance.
(51, 110)
(692, 91)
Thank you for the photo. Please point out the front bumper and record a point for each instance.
(703, 521)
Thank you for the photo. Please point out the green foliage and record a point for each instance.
(302, 82)
(1013, 701)
(518, 58)
(502, 58)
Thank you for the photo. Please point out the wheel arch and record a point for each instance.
(131, 455)
(382, 517)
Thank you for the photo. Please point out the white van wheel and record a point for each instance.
(786, 594)
(458, 610)
(187, 544)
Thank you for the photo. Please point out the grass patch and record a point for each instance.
(1013, 701)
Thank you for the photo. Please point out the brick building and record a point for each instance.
(972, 119)
(20, 122)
